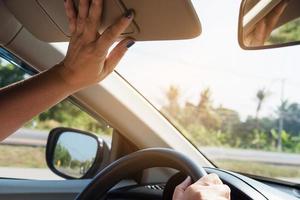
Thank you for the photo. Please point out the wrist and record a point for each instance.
(63, 77)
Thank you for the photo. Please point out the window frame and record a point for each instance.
(10, 57)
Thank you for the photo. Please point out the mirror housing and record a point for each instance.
(75, 154)
(265, 24)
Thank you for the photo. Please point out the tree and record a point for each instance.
(9, 74)
(229, 119)
(62, 156)
(205, 111)
(261, 96)
(291, 117)
(172, 108)
(281, 113)
(289, 32)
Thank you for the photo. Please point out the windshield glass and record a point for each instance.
(240, 108)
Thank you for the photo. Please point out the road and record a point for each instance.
(39, 138)
(252, 155)
(28, 173)
(27, 137)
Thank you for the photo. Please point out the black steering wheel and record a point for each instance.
(135, 162)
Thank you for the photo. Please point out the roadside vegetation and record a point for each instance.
(261, 169)
(289, 32)
(22, 157)
(207, 125)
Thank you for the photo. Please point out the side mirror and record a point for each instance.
(265, 24)
(74, 154)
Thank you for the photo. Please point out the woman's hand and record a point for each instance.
(209, 187)
(264, 28)
(87, 61)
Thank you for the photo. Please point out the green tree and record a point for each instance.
(205, 111)
(229, 119)
(9, 74)
(292, 119)
(172, 108)
(62, 157)
(289, 32)
(261, 96)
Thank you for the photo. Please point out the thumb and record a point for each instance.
(179, 190)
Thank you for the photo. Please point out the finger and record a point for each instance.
(260, 34)
(248, 39)
(95, 13)
(180, 189)
(116, 55)
(211, 179)
(275, 15)
(185, 184)
(227, 191)
(71, 15)
(111, 34)
(82, 15)
(83, 9)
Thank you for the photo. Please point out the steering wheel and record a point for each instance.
(135, 162)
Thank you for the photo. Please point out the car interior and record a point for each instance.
(132, 166)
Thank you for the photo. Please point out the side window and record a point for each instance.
(23, 153)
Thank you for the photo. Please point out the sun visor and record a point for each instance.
(154, 19)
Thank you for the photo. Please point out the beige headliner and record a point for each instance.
(113, 99)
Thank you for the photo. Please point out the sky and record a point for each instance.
(214, 60)
(80, 147)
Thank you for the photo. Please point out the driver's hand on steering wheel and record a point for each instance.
(209, 187)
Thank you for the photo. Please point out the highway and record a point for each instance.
(252, 155)
(39, 138)
(27, 137)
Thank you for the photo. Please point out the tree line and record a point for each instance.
(207, 125)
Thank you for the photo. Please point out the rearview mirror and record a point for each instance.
(269, 24)
(74, 154)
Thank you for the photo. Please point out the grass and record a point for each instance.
(260, 169)
(21, 156)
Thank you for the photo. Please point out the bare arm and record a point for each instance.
(87, 62)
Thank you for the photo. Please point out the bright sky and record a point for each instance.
(214, 60)
(80, 147)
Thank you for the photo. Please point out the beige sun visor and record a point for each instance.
(154, 19)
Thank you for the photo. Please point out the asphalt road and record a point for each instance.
(27, 137)
(39, 138)
(28, 173)
(252, 155)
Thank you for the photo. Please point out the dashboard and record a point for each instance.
(243, 188)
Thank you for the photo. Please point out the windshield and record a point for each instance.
(240, 108)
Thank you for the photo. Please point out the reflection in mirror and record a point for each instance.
(74, 154)
(270, 22)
